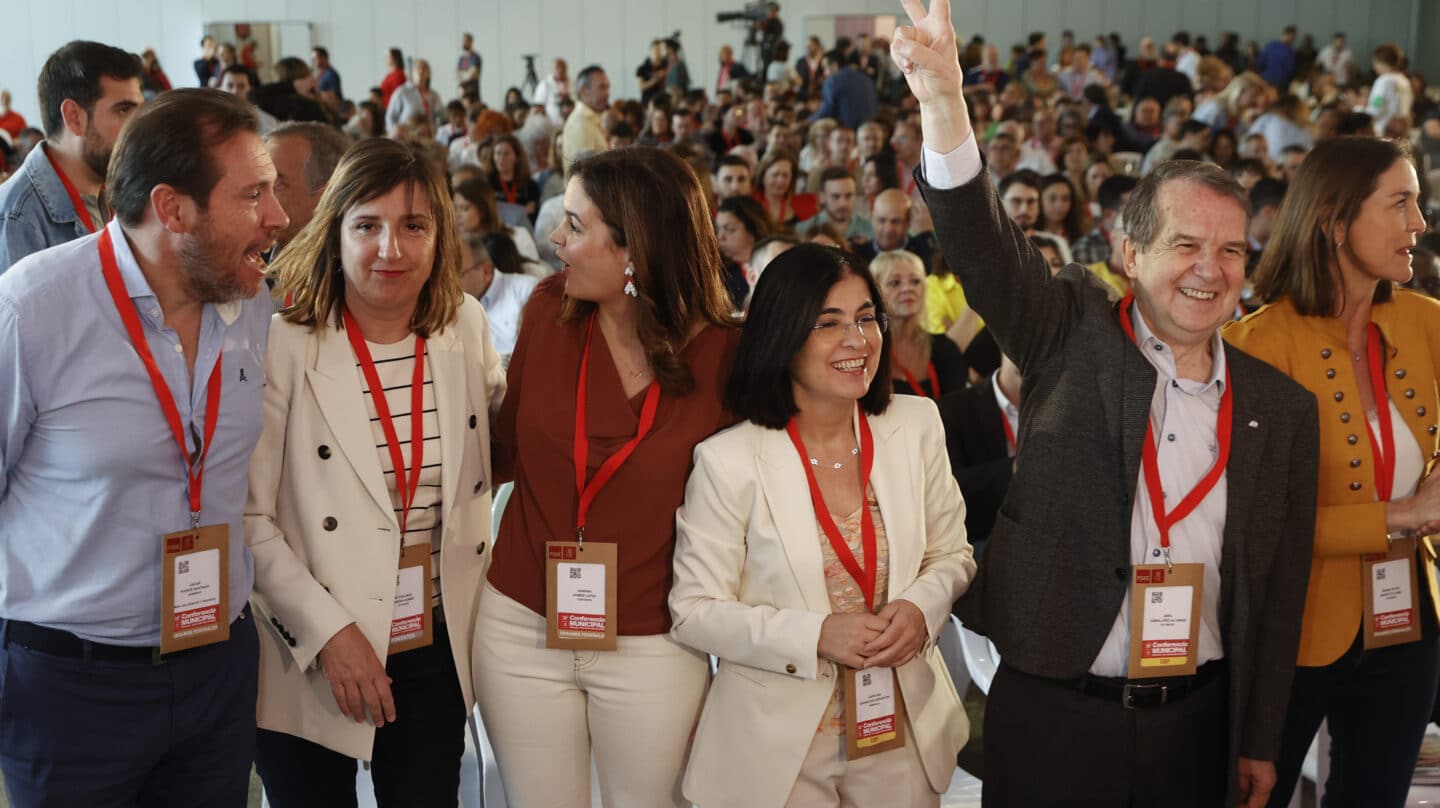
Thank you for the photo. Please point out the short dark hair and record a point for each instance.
(74, 72)
(321, 51)
(327, 146)
(1143, 222)
(1113, 190)
(397, 58)
(1181, 38)
(582, 79)
(171, 141)
(834, 173)
(731, 160)
(1193, 127)
(787, 301)
(1294, 148)
(1187, 154)
(1251, 165)
(455, 105)
(1024, 177)
(235, 67)
(1265, 193)
(834, 56)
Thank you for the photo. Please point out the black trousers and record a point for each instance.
(119, 733)
(1047, 744)
(1378, 704)
(416, 759)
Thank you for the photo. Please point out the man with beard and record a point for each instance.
(125, 443)
(87, 93)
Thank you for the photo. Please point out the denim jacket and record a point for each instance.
(35, 211)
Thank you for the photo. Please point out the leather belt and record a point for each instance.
(59, 643)
(1139, 694)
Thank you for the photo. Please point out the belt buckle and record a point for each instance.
(1127, 693)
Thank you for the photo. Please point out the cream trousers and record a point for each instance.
(547, 710)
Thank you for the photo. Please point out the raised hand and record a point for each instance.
(926, 51)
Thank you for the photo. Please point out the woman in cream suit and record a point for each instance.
(368, 579)
(823, 534)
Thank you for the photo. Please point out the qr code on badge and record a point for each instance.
(183, 567)
(575, 573)
(1157, 597)
(1380, 574)
(865, 679)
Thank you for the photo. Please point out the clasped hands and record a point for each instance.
(887, 639)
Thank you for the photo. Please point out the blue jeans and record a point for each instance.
(1378, 704)
(100, 733)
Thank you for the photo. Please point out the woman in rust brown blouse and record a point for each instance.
(616, 376)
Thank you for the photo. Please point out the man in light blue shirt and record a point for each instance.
(91, 476)
(88, 91)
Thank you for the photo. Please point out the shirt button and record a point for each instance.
(1339, 396)
(1344, 417)
(1354, 486)
(1325, 353)
(1352, 440)
(480, 549)
(1155, 553)
(1330, 373)
(179, 348)
(790, 668)
(1400, 373)
(1410, 393)
(323, 451)
(473, 422)
(1170, 437)
(1354, 462)
(329, 523)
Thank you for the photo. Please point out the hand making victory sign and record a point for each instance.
(926, 52)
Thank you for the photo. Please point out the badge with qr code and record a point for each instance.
(195, 583)
(580, 595)
(1165, 619)
(874, 712)
(1392, 616)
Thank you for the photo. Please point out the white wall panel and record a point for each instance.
(615, 33)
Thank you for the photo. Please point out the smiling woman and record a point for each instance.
(825, 451)
(369, 506)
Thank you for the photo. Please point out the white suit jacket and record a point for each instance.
(322, 527)
(750, 589)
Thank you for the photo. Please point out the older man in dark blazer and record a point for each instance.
(1100, 381)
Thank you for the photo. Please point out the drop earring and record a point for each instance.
(630, 282)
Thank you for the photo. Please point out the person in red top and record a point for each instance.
(616, 376)
(394, 78)
(776, 188)
(10, 120)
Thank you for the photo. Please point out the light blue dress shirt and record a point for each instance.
(90, 474)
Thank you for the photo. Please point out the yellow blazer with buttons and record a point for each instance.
(750, 589)
(322, 527)
(1349, 521)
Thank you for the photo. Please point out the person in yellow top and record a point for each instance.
(1337, 322)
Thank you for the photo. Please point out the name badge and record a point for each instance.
(1165, 619)
(580, 595)
(411, 624)
(874, 712)
(1391, 616)
(195, 584)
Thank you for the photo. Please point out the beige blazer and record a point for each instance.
(750, 589)
(322, 528)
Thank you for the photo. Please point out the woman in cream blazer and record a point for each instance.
(754, 584)
(322, 519)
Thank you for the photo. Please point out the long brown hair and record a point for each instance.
(309, 267)
(522, 162)
(1301, 260)
(672, 246)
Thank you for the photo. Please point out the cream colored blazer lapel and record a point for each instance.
(787, 495)
(335, 383)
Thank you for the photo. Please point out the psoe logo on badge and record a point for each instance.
(557, 552)
(1149, 576)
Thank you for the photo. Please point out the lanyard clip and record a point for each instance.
(194, 520)
(1169, 567)
(580, 534)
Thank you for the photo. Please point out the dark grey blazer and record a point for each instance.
(1055, 573)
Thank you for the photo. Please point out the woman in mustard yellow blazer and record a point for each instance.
(1337, 323)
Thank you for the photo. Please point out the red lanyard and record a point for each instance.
(510, 190)
(1009, 433)
(588, 492)
(1150, 456)
(1382, 446)
(194, 468)
(915, 384)
(405, 483)
(864, 577)
(79, 204)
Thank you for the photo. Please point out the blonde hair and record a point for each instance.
(881, 267)
(309, 268)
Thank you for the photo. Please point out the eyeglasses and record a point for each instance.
(870, 326)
